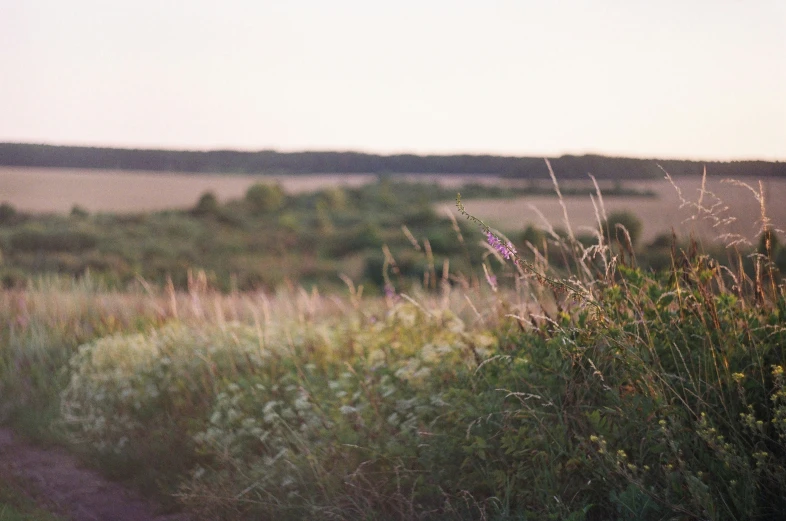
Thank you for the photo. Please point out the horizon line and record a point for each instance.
(390, 154)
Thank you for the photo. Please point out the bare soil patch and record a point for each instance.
(71, 490)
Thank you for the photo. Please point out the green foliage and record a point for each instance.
(313, 239)
(78, 212)
(16, 506)
(264, 198)
(247, 245)
(637, 409)
(207, 205)
(595, 390)
(32, 240)
(335, 199)
(423, 215)
(7, 213)
(675, 421)
(533, 235)
(624, 228)
(304, 419)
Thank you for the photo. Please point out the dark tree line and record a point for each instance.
(269, 161)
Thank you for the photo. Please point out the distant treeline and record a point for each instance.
(269, 161)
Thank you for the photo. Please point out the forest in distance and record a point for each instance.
(347, 162)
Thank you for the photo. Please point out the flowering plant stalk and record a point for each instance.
(509, 252)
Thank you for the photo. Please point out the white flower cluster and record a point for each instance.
(118, 382)
(277, 406)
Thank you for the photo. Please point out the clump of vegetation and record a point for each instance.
(15, 505)
(7, 213)
(623, 228)
(207, 205)
(259, 242)
(263, 198)
(589, 388)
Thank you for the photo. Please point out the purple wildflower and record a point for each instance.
(506, 250)
(390, 292)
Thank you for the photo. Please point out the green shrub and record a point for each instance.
(301, 418)
(51, 241)
(79, 212)
(422, 215)
(8, 213)
(623, 228)
(533, 235)
(207, 205)
(335, 199)
(264, 198)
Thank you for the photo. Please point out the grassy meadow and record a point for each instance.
(208, 356)
(271, 234)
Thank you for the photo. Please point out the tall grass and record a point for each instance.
(590, 389)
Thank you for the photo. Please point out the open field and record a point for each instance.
(658, 215)
(58, 190)
(43, 190)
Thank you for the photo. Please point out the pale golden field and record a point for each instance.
(659, 215)
(58, 190)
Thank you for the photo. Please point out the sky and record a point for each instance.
(698, 79)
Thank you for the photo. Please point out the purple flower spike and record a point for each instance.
(390, 292)
(506, 250)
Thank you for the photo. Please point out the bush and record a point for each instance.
(335, 199)
(422, 215)
(329, 439)
(66, 240)
(7, 213)
(79, 212)
(263, 198)
(662, 242)
(621, 225)
(207, 205)
(535, 236)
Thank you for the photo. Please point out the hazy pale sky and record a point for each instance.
(668, 78)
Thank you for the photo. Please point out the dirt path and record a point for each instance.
(78, 493)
